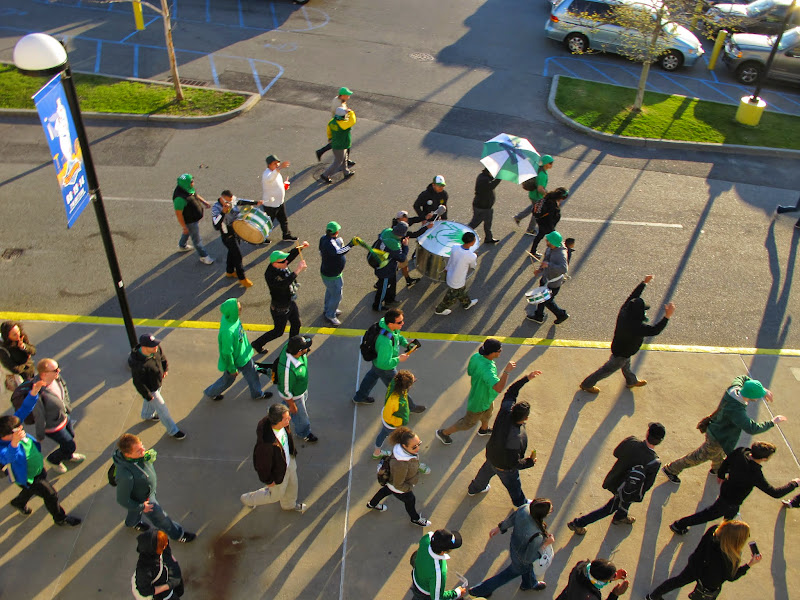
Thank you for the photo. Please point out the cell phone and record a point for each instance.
(754, 548)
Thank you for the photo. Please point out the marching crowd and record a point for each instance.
(40, 398)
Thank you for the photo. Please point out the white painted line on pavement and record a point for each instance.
(613, 222)
(349, 485)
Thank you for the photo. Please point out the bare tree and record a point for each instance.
(164, 12)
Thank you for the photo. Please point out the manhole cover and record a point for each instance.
(11, 253)
(422, 56)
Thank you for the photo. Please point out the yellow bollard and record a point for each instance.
(138, 17)
(749, 113)
(720, 41)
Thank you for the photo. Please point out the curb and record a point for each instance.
(654, 143)
(251, 101)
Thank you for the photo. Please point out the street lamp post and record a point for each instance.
(41, 54)
(773, 52)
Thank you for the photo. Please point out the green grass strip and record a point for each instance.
(108, 95)
(607, 108)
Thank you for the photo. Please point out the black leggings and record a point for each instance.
(689, 575)
(279, 320)
(406, 498)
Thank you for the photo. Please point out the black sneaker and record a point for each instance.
(154, 418)
(678, 530)
(487, 431)
(257, 349)
(288, 237)
(69, 520)
(491, 241)
(561, 319)
(673, 478)
(351, 163)
(23, 510)
(179, 435)
(187, 537)
(535, 318)
(349, 175)
(412, 281)
(141, 526)
(418, 408)
(264, 396)
(218, 397)
(652, 597)
(325, 179)
(311, 438)
(367, 400)
(319, 155)
(443, 437)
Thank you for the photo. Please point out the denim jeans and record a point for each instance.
(371, 378)
(615, 506)
(333, 295)
(528, 210)
(157, 517)
(157, 406)
(194, 233)
(385, 431)
(510, 573)
(227, 379)
(301, 424)
(65, 438)
(614, 363)
(509, 478)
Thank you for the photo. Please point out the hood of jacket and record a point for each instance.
(146, 542)
(136, 358)
(401, 453)
(230, 311)
(635, 311)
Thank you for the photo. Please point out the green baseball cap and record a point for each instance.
(278, 256)
(185, 183)
(343, 91)
(332, 227)
(753, 390)
(554, 238)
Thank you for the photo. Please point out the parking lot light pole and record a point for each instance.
(42, 55)
(773, 52)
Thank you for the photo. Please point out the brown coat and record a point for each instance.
(269, 459)
(404, 474)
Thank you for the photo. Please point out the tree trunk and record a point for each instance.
(637, 104)
(173, 63)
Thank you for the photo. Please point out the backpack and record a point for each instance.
(112, 475)
(384, 472)
(18, 397)
(372, 260)
(632, 487)
(367, 347)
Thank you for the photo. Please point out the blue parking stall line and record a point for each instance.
(213, 69)
(654, 88)
(785, 97)
(256, 78)
(208, 11)
(173, 10)
(305, 14)
(97, 58)
(672, 80)
(720, 92)
(241, 14)
(713, 74)
(546, 65)
(611, 79)
(136, 60)
(275, 24)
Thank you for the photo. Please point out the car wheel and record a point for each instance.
(577, 43)
(749, 72)
(671, 61)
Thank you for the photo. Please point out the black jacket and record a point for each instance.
(153, 570)
(484, 190)
(631, 326)
(549, 216)
(741, 475)
(332, 255)
(629, 453)
(269, 460)
(413, 221)
(17, 361)
(509, 441)
(580, 588)
(429, 200)
(711, 565)
(281, 283)
(147, 371)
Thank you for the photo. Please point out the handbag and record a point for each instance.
(701, 592)
(12, 381)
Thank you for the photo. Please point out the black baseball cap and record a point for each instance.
(444, 539)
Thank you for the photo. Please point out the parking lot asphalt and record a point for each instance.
(339, 549)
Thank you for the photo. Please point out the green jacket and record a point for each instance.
(234, 349)
(388, 348)
(731, 418)
(136, 481)
(430, 571)
(339, 131)
(292, 375)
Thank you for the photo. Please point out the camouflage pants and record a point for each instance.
(709, 450)
(454, 295)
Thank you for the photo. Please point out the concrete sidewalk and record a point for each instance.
(339, 549)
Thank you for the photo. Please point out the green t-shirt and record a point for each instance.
(33, 456)
(541, 180)
(483, 374)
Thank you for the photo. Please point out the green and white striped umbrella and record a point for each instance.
(510, 158)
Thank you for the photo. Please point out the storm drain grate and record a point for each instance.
(422, 56)
(197, 82)
(11, 253)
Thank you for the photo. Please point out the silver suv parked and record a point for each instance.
(746, 55)
(585, 24)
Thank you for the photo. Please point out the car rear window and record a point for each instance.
(589, 8)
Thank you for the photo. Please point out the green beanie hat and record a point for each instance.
(554, 238)
(753, 390)
(546, 159)
(185, 183)
(343, 91)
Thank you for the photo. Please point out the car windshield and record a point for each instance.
(758, 8)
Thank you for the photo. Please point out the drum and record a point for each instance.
(434, 248)
(253, 226)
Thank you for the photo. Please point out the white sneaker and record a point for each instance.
(300, 507)
(187, 248)
(472, 303)
(334, 321)
(444, 313)
(243, 498)
(59, 468)
(77, 458)
(206, 260)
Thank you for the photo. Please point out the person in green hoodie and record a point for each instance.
(136, 489)
(235, 355)
(339, 135)
(724, 426)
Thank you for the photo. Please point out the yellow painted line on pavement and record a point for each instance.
(441, 337)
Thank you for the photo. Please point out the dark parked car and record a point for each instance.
(761, 16)
(746, 55)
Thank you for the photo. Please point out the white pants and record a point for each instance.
(284, 492)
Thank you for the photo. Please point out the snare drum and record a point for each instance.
(435, 245)
(253, 226)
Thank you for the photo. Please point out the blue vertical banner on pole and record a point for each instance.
(51, 104)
